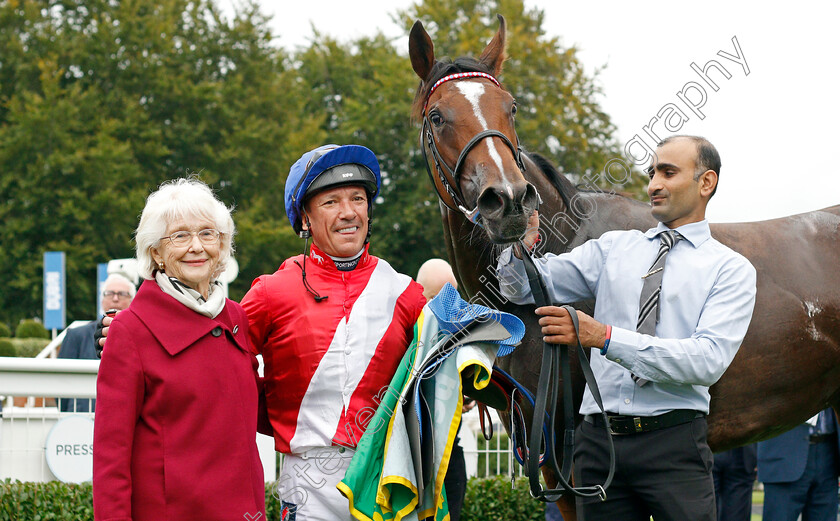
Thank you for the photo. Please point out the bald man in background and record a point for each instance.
(433, 275)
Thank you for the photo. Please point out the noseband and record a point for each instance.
(451, 182)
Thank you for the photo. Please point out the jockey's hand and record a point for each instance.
(532, 233)
(101, 331)
(557, 328)
(468, 404)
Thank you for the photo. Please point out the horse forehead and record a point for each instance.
(472, 90)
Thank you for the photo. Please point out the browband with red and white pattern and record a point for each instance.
(458, 76)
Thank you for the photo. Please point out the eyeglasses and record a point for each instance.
(120, 294)
(183, 238)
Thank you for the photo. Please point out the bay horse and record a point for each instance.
(788, 367)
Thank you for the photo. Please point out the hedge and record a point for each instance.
(487, 498)
(5, 330)
(31, 329)
(27, 347)
(494, 498)
(7, 348)
(50, 501)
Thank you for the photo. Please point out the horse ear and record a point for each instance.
(494, 54)
(421, 50)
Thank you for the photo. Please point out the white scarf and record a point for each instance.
(191, 298)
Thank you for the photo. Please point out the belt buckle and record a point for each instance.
(618, 427)
(637, 423)
(611, 425)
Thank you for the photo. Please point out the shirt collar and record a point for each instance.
(696, 233)
(325, 261)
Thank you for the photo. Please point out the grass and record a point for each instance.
(757, 499)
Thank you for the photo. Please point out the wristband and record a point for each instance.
(607, 341)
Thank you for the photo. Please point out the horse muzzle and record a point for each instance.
(505, 208)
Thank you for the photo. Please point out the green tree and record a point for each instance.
(366, 89)
(101, 101)
(559, 114)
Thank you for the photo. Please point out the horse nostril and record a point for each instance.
(530, 198)
(491, 202)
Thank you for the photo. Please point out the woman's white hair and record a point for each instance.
(185, 199)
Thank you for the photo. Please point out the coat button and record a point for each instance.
(217, 331)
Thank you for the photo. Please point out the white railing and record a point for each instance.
(51, 349)
(30, 387)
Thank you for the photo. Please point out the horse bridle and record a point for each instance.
(552, 365)
(451, 183)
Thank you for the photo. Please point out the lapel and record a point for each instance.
(177, 327)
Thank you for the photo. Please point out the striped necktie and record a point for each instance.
(649, 298)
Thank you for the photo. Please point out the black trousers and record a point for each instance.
(455, 481)
(665, 473)
(734, 473)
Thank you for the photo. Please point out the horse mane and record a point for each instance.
(441, 68)
(565, 187)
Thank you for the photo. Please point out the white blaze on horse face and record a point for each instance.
(473, 92)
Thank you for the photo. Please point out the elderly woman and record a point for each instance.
(176, 418)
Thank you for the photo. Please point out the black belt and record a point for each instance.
(822, 438)
(636, 424)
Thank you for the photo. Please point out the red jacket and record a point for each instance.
(326, 362)
(176, 415)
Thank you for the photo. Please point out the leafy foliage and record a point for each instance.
(5, 330)
(51, 501)
(31, 329)
(487, 498)
(28, 347)
(494, 498)
(101, 101)
(7, 348)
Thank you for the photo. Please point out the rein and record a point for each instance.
(451, 183)
(552, 365)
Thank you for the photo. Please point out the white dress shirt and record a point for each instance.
(707, 299)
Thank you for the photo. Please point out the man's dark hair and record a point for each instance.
(707, 155)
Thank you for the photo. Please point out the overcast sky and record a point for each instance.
(775, 127)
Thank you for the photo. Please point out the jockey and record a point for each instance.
(332, 325)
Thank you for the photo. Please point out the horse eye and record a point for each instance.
(513, 110)
(436, 119)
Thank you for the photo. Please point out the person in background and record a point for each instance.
(734, 474)
(433, 275)
(178, 391)
(799, 469)
(117, 293)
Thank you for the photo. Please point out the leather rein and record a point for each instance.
(553, 364)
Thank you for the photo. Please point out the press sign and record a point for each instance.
(69, 449)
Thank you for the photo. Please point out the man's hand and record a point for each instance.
(557, 328)
(532, 233)
(101, 332)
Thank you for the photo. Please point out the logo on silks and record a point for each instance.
(69, 449)
(317, 258)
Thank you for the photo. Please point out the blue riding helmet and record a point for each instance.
(315, 171)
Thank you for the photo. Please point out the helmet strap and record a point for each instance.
(317, 296)
(305, 233)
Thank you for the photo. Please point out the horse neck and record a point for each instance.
(600, 212)
(473, 258)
